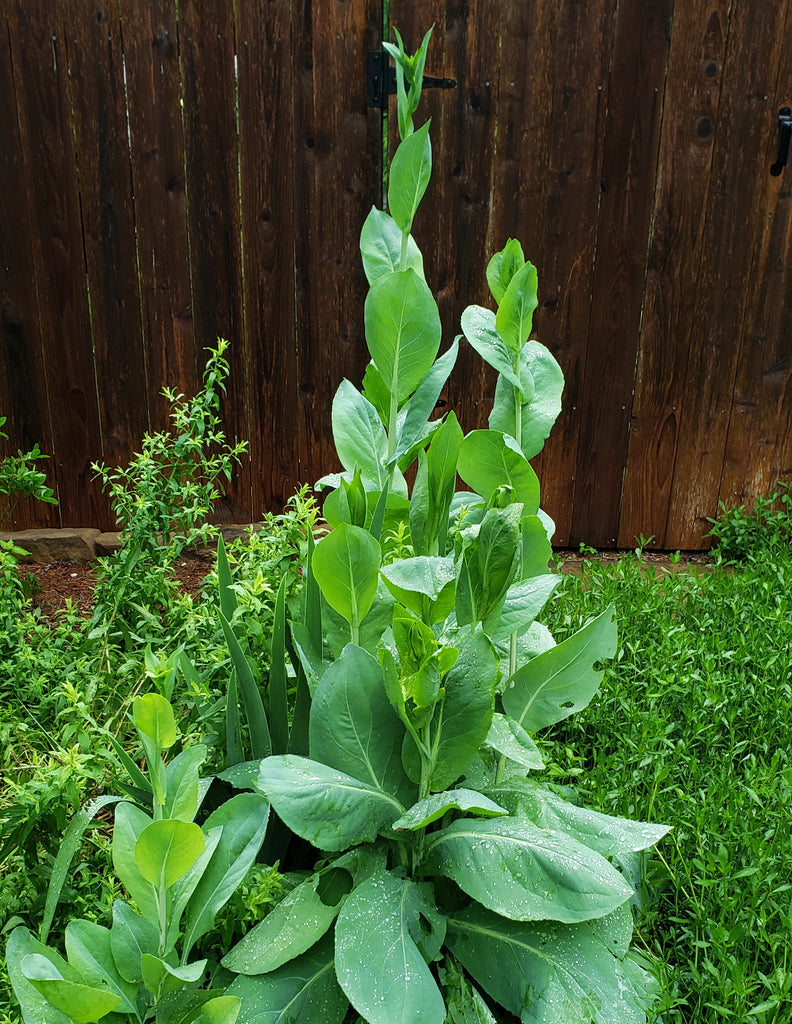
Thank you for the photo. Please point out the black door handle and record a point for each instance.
(785, 132)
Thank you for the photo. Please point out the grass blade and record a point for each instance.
(260, 742)
(228, 601)
(278, 682)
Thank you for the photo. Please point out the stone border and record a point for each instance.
(86, 545)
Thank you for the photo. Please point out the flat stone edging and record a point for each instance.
(86, 545)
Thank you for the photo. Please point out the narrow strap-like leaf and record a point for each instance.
(225, 580)
(235, 753)
(312, 599)
(72, 839)
(278, 704)
(298, 734)
(379, 511)
(132, 770)
(260, 742)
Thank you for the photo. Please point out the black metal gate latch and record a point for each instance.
(785, 132)
(381, 80)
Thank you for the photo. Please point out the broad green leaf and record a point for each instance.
(167, 849)
(184, 1006)
(515, 311)
(433, 492)
(542, 386)
(350, 500)
(185, 886)
(153, 718)
(433, 807)
(466, 712)
(353, 727)
(130, 937)
(130, 823)
(380, 247)
(89, 949)
(303, 991)
(375, 390)
(346, 566)
(328, 808)
(378, 962)
(360, 440)
(258, 727)
(378, 619)
(503, 266)
(464, 1004)
(563, 680)
(292, 927)
(546, 973)
(489, 563)
(402, 330)
(181, 774)
(611, 836)
(489, 460)
(160, 977)
(478, 326)
(220, 1010)
(35, 1008)
(524, 601)
(410, 171)
(244, 822)
(510, 740)
(424, 584)
(536, 549)
(83, 1004)
(422, 404)
(541, 875)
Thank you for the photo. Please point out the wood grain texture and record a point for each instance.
(735, 237)
(39, 53)
(758, 444)
(583, 50)
(337, 181)
(267, 136)
(150, 40)
(93, 49)
(676, 252)
(207, 52)
(23, 377)
(628, 176)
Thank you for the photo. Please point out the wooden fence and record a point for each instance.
(176, 172)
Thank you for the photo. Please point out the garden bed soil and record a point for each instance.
(58, 582)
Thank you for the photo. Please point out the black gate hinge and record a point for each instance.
(381, 80)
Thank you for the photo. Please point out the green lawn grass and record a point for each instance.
(693, 727)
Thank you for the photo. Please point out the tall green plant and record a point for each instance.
(20, 478)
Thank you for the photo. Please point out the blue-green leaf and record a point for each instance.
(410, 171)
(380, 247)
(489, 460)
(478, 326)
(515, 311)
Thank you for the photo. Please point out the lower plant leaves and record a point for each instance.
(130, 822)
(433, 807)
(562, 680)
(526, 873)
(418, 583)
(167, 849)
(35, 1008)
(291, 928)
(346, 566)
(244, 822)
(537, 532)
(330, 809)
(510, 740)
(359, 436)
(220, 1010)
(466, 712)
(130, 937)
(608, 835)
(89, 949)
(185, 1007)
(489, 459)
(353, 727)
(524, 601)
(545, 973)
(181, 791)
(83, 1004)
(160, 977)
(378, 962)
(303, 991)
(465, 1005)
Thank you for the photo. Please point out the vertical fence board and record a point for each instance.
(734, 235)
(206, 44)
(267, 139)
(93, 45)
(150, 39)
(23, 383)
(758, 443)
(583, 49)
(675, 254)
(338, 176)
(37, 40)
(636, 95)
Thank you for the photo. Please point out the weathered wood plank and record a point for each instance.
(150, 40)
(207, 50)
(38, 43)
(675, 253)
(337, 180)
(734, 238)
(23, 381)
(758, 445)
(267, 141)
(628, 175)
(93, 49)
(583, 49)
